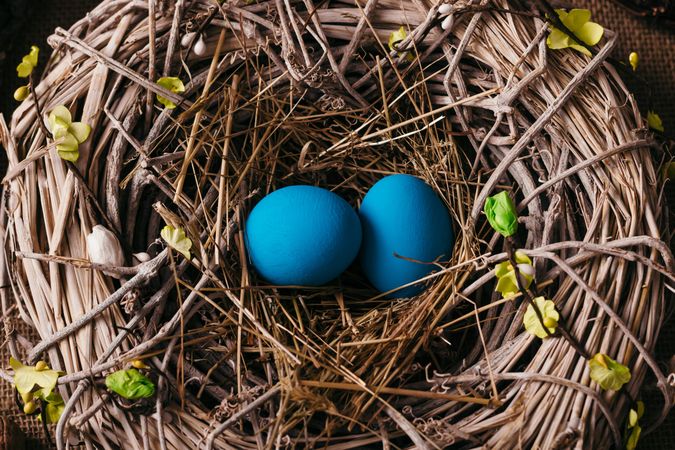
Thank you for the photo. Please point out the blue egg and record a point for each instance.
(302, 235)
(402, 215)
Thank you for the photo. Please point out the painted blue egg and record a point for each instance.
(302, 235)
(405, 227)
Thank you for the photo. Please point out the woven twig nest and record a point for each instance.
(290, 92)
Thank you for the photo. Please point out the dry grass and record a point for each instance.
(275, 102)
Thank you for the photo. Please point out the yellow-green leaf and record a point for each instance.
(139, 364)
(130, 384)
(575, 18)
(68, 148)
(548, 313)
(633, 437)
(59, 120)
(609, 374)
(69, 134)
(634, 415)
(654, 121)
(633, 59)
(633, 427)
(590, 33)
(580, 49)
(29, 379)
(28, 63)
(53, 412)
(173, 84)
(557, 40)
(506, 275)
(80, 131)
(54, 407)
(30, 407)
(669, 170)
(177, 240)
(32, 56)
(578, 22)
(632, 418)
(24, 69)
(397, 37)
(640, 409)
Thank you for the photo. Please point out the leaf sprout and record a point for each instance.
(633, 429)
(506, 275)
(501, 213)
(173, 84)
(654, 121)
(130, 384)
(609, 374)
(549, 315)
(176, 239)
(578, 22)
(36, 384)
(71, 134)
(28, 63)
(397, 37)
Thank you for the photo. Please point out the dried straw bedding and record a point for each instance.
(298, 97)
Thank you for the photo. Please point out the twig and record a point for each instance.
(151, 62)
(38, 108)
(223, 193)
(347, 56)
(67, 411)
(189, 154)
(541, 121)
(662, 383)
(173, 38)
(629, 146)
(396, 391)
(76, 43)
(80, 263)
(520, 282)
(146, 272)
(540, 377)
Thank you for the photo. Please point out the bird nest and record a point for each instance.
(470, 99)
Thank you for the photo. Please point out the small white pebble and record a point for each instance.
(446, 22)
(444, 9)
(200, 46)
(187, 38)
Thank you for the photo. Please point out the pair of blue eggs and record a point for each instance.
(307, 236)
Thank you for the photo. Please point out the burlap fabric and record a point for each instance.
(8, 408)
(654, 81)
(654, 88)
(653, 84)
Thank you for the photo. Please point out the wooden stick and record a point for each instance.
(396, 391)
(223, 192)
(197, 119)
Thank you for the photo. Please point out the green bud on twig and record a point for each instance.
(501, 213)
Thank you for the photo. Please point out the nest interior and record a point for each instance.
(293, 92)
